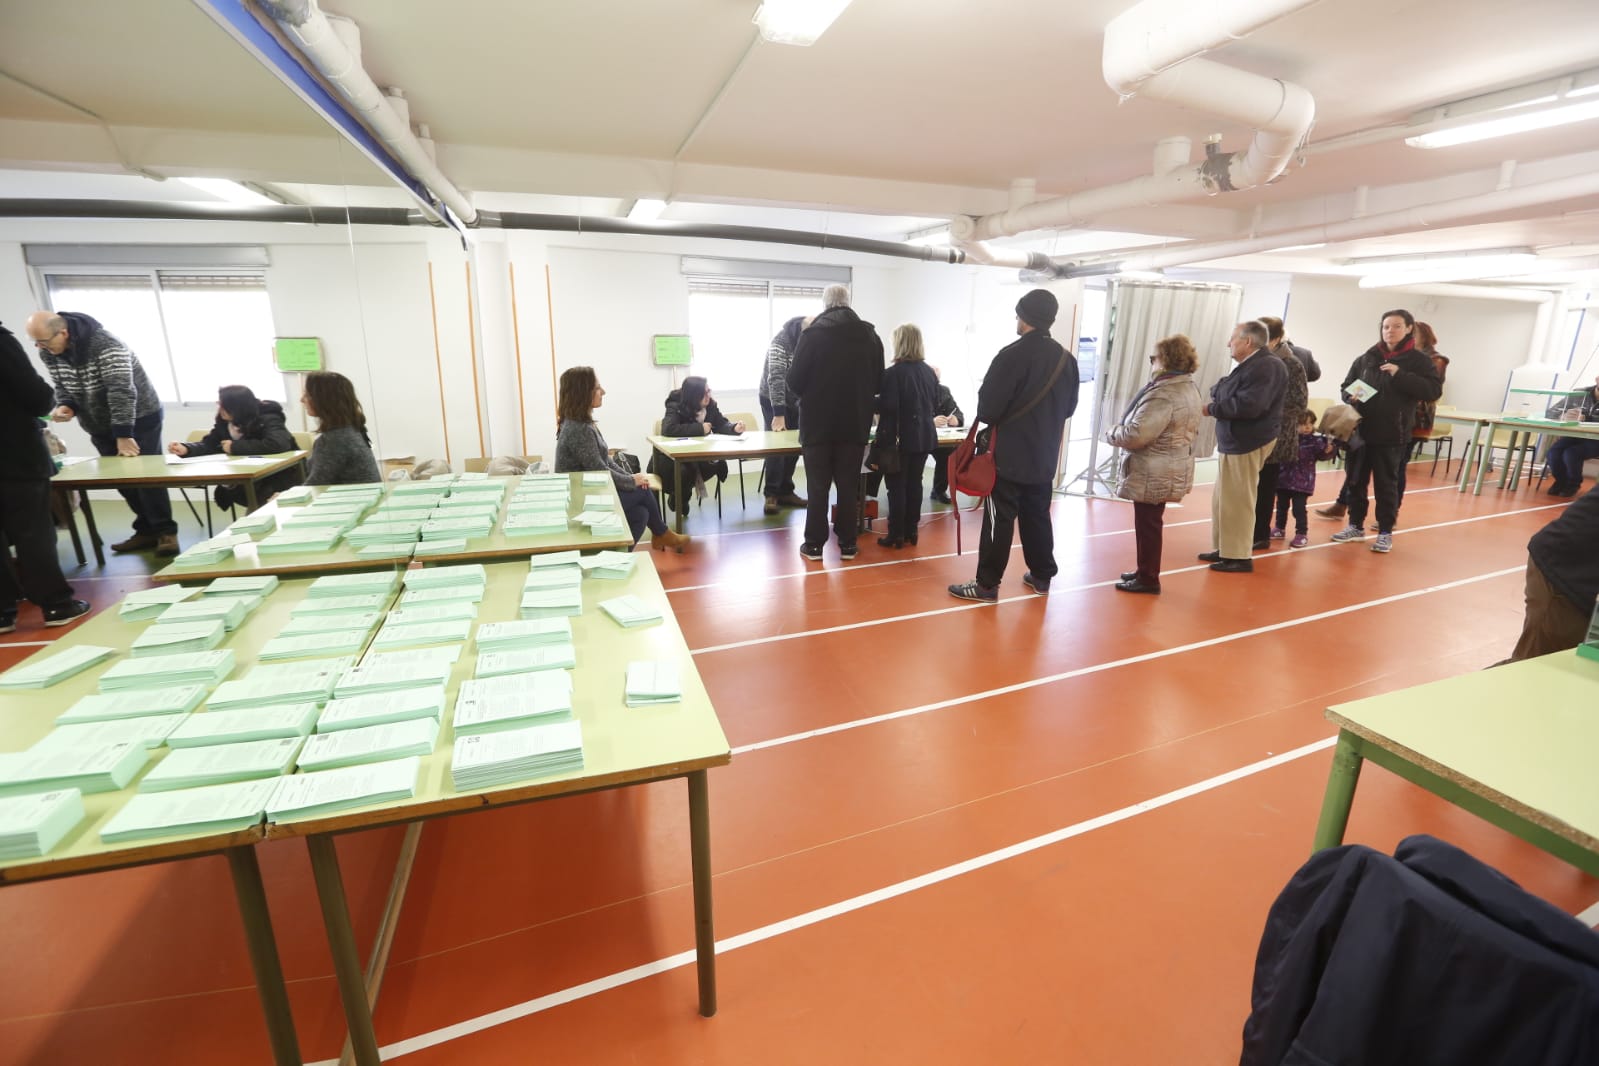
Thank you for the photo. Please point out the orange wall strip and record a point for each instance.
(549, 304)
(516, 340)
(438, 361)
(471, 333)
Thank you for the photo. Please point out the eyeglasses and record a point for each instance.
(47, 340)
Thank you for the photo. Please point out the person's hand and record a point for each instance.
(227, 446)
(1205, 410)
(707, 427)
(738, 427)
(1389, 368)
(641, 480)
(178, 448)
(940, 421)
(127, 447)
(61, 414)
(779, 423)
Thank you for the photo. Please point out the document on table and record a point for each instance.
(597, 502)
(225, 808)
(164, 671)
(42, 672)
(375, 583)
(104, 769)
(31, 825)
(435, 576)
(314, 645)
(599, 477)
(630, 611)
(447, 654)
(454, 631)
(652, 681)
(327, 791)
(366, 744)
(149, 603)
(484, 760)
(540, 697)
(216, 764)
(307, 624)
(163, 639)
(340, 604)
(272, 722)
(150, 730)
(555, 559)
(526, 660)
(438, 612)
(381, 708)
(499, 636)
(134, 703)
(561, 577)
(243, 585)
(551, 603)
(441, 594)
(366, 679)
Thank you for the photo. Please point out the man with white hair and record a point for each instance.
(836, 374)
(1247, 405)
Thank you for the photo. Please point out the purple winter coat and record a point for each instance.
(1300, 474)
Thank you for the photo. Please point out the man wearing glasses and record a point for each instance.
(99, 382)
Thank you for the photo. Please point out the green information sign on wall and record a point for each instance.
(297, 355)
(673, 349)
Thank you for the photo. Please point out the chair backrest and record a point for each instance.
(1317, 406)
(195, 435)
(303, 441)
(656, 432)
(749, 420)
(480, 463)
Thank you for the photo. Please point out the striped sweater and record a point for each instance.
(100, 378)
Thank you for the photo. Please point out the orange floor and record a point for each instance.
(890, 744)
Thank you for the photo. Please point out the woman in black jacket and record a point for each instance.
(692, 412)
(905, 429)
(245, 425)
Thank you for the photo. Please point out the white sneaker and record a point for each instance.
(1383, 543)
(1349, 533)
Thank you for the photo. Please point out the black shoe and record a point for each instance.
(1233, 566)
(1261, 545)
(66, 612)
(1209, 557)
(848, 552)
(1132, 584)
(811, 552)
(8, 621)
(890, 542)
(910, 538)
(1129, 575)
(940, 497)
(1038, 585)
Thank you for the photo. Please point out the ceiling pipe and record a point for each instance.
(1409, 219)
(1152, 49)
(333, 49)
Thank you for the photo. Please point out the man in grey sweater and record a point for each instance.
(98, 381)
(781, 412)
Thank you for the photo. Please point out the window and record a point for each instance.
(193, 332)
(733, 321)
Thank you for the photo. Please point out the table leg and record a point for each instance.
(341, 942)
(1340, 795)
(251, 896)
(1510, 459)
(699, 829)
(1483, 459)
(61, 503)
(249, 495)
(387, 927)
(677, 493)
(94, 532)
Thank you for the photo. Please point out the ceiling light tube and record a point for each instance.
(1506, 125)
(229, 190)
(1458, 268)
(646, 210)
(798, 22)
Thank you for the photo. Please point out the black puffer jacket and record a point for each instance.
(1388, 417)
(836, 374)
(905, 408)
(266, 434)
(25, 397)
(678, 421)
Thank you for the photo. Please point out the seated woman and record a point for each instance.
(905, 426)
(692, 412)
(1568, 454)
(342, 454)
(245, 426)
(579, 447)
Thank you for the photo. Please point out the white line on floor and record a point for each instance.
(835, 910)
(1095, 668)
(1590, 917)
(26, 644)
(1057, 591)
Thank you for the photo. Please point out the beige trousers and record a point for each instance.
(1232, 505)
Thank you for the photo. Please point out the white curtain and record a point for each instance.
(1137, 314)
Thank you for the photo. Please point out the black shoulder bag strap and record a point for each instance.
(1048, 385)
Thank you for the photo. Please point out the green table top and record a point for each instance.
(111, 471)
(343, 558)
(1521, 735)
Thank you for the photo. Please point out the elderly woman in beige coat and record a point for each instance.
(1158, 432)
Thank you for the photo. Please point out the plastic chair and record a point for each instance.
(750, 422)
(1441, 436)
(303, 441)
(480, 464)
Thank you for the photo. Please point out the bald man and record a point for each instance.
(98, 381)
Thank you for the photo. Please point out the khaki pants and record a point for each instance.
(1232, 505)
(1553, 623)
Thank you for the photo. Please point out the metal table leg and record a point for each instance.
(251, 896)
(61, 503)
(94, 532)
(1340, 794)
(677, 493)
(699, 828)
(249, 495)
(1510, 460)
(1465, 460)
(341, 942)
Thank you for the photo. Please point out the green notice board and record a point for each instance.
(673, 349)
(297, 355)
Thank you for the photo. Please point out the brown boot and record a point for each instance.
(139, 542)
(670, 539)
(1332, 510)
(790, 499)
(166, 546)
(771, 505)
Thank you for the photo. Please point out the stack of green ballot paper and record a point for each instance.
(218, 764)
(468, 528)
(552, 603)
(486, 760)
(150, 730)
(442, 594)
(526, 660)
(365, 679)
(433, 577)
(554, 577)
(612, 565)
(259, 523)
(596, 477)
(243, 585)
(145, 604)
(366, 491)
(312, 679)
(527, 633)
(304, 625)
(392, 636)
(433, 549)
(46, 670)
(105, 769)
(231, 611)
(310, 795)
(134, 703)
(534, 523)
(382, 708)
(164, 671)
(299, 539)
(652, 681)
(552, 560)
(208, 552)
(444, 654)
(339, 604)
(380, 530)
(491, 705)
(386, 551)
(205, 810)
(630, 611)
(372, 743)
(31, 825)
(434, 612)
(374, 583)
(170, 639)
(295, 497)
(314, 645)
(274, 722)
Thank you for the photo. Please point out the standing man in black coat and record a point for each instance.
(1392, 378)
(25, 472)
(836, 374)
(1029, 392)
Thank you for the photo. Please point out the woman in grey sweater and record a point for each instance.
(342, 453)
(579, 446)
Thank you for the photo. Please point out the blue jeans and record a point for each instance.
(642, 511)
(152, 508)
(1566, 457)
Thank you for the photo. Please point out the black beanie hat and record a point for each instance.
(1038, 308)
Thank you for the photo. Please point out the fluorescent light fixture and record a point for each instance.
(1451, 268)
(231, 191)
(1300, 247)
(798, 22)
(646, 210)
(1138, 275)
(932, 237)
(1504, 126)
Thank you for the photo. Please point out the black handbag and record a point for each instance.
(883, 459)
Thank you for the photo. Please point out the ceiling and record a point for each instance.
(904, 113)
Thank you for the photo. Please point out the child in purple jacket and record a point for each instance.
(1297, 479)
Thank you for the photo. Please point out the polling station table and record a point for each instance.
(1522, 428)
(247, 559)
(158, 472)
(1513, 745)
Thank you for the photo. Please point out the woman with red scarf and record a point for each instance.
(1388, 381)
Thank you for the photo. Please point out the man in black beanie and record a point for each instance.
(1027, 395)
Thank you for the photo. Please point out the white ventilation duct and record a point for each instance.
(333, 47)
(1152, 49)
